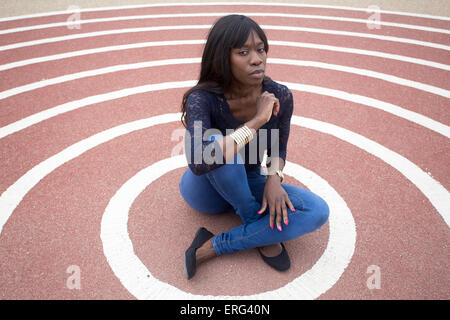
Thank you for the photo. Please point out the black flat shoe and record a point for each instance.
(190, 261)
(280, 262)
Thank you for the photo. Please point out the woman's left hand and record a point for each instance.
(277, 198)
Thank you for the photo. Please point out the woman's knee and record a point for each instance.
(321, 211)
(181, 184)
(314, 211)
(200, 195)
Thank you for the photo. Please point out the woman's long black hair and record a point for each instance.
(228, 32)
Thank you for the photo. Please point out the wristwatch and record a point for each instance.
(280, 174)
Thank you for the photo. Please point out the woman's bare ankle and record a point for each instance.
(272, 250)
(205, 252)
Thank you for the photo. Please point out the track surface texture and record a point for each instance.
(91, 156)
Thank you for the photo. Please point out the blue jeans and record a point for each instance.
(231, 188)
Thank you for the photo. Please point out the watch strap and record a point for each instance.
(280, 174)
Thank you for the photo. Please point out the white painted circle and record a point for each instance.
(138, 280)
(430, 188)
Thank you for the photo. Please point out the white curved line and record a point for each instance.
(11, 198)
(46, 14)
(193, 27)
(363, 72)
(433, 190)
(360, 35)
(219, 14)
(363, 52)
(17, 45)
(138, 280)
(90, 73)
(65, 55)
(377, 104)
(72, 54)
(72, 105)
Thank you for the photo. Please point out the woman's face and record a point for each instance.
(248, 63)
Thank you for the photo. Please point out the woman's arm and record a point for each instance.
(274, 194)
(275, 164)
(199, 107)
(276, 197)
(199, 110)
(266, 105)
(229, 146)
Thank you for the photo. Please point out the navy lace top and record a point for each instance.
(208, 113)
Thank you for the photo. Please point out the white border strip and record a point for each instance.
(88, 101)
(140, 65)
(194, 27)
(220, 14)
(53, 13)
(22, 63)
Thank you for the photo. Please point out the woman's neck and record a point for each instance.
(238, 91)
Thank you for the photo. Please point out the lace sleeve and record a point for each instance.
(285, 122)
(202, 154)
(284, 125)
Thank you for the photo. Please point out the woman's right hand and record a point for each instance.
(266, 104)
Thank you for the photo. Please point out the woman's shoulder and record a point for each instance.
(200, 98)
(200, 93)
(281, 91)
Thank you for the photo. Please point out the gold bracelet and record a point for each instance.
(242, 136)
(249, 133)
(238, 137)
